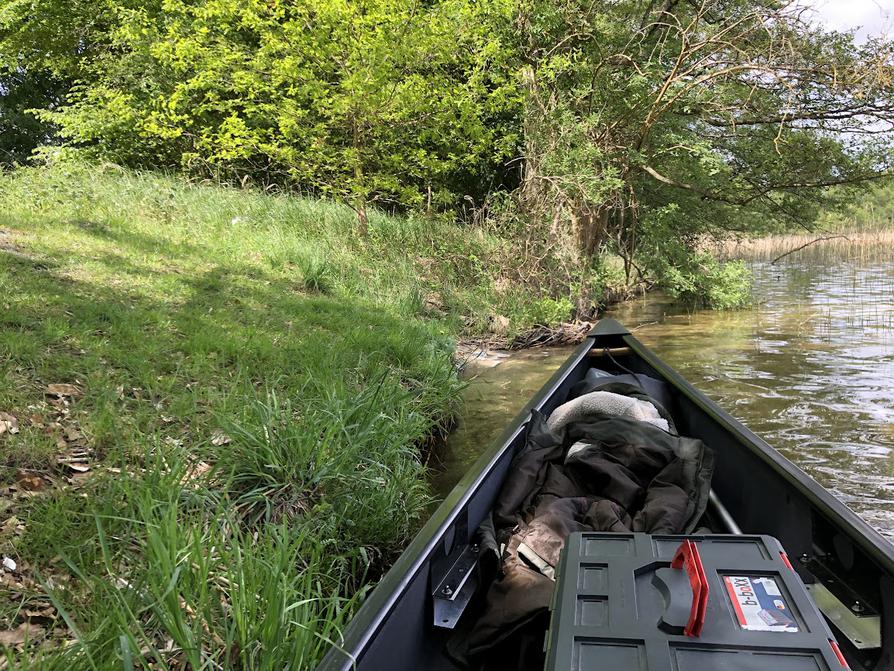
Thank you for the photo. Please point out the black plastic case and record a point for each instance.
(733, 603)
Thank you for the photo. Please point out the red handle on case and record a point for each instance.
(687, 557)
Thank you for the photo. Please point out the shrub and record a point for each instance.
(545, 311)
(704, 281)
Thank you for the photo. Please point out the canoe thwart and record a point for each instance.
(609, 351)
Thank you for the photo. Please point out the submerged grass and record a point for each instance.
(214, 401)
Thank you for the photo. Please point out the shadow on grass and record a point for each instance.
(122, 236)
(184, 363)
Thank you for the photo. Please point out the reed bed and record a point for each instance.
(862, 245)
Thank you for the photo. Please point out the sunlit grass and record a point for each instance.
(253, 384)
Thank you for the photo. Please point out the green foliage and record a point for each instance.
(607, 114)
(873, 211)
(545, 311)
(166, 305)
(634, 109)
(705, 281)
(316, 275)
(21, 91)
(175, 578)
(680, 265)
(369, 100)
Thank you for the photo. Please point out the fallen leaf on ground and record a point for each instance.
(45, 615)
(12, 525)
(218, 437)
(24, 632)
(8, 423)
(195, 471)
(63, 390)
(78, 480)
(78, 467)
(28, 482)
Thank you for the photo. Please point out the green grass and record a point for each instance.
(255, 383)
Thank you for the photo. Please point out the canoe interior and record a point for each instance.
(765, 493)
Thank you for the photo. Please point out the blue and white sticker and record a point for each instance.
(759, 604)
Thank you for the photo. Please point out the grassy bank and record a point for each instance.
(212, 407)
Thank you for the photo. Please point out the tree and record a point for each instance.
(642, 125)
(23, 90)
(397, 102)
(650, 124)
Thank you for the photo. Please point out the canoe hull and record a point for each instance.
(763, 491)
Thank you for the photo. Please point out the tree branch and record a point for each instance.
(807, 244)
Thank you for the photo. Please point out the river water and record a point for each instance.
(810, 368)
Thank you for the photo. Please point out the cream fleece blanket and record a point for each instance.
(606, 403)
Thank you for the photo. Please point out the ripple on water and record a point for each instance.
(810, 369)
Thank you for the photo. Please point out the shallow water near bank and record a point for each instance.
(810, 368)
(499, 385)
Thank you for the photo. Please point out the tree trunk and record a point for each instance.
(363, 221)
(591, 228)
(360, 197)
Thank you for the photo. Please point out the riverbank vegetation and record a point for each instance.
(586, 132)
(858, 243)
(213, 403)
(861, 230)
(238, 239)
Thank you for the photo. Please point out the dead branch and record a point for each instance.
(807, 244)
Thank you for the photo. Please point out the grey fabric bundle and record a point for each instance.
(606, 403)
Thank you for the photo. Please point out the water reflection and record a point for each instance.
(499, 386)
(810, 368)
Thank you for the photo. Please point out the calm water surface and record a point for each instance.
(499, 386)
(810, 368)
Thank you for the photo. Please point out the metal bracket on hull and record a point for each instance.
(453, 574)
(453, 592)
(864, 633)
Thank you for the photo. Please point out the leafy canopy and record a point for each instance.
(400, 102)
(650, 124)
(637, 127)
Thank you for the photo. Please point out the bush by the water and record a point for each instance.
(705, 281)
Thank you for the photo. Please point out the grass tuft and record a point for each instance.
(316, 275)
